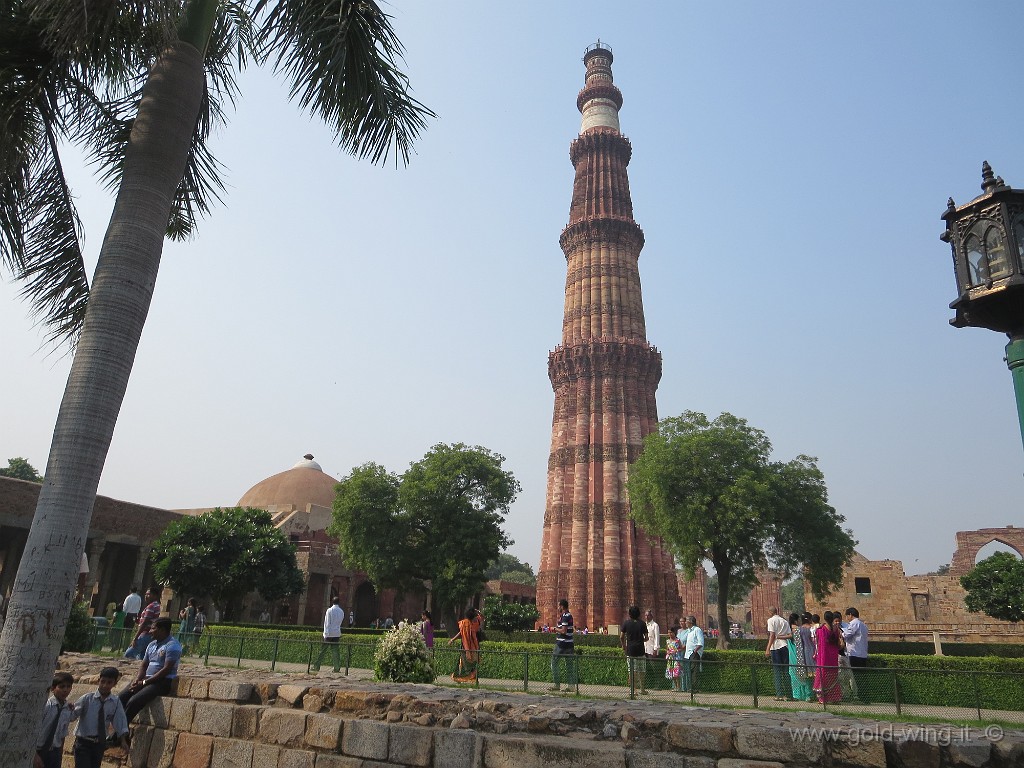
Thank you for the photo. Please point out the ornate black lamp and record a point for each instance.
(987, 237)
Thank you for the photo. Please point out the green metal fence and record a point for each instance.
(886, 692)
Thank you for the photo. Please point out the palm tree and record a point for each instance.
(340, 57)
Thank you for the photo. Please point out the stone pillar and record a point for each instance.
(694, 594)
(300, 616)
(764, 597)
(141, 561)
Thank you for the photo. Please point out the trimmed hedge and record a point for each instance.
(988, 683)
(906, 648)
(983, 682)
(299, 646)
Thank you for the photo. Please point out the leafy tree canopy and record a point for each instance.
(508, 567)
(439, 522)
(995, 586)
(509, 617)
(227, 553)
(709, 489)
(20, 469)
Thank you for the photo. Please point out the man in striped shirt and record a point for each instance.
(565, 648)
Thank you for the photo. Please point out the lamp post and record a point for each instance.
(987, 237)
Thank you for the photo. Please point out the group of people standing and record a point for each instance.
(192, 622)
(684, 650)
(820, 654)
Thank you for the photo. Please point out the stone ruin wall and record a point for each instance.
(215, 722)
(901, 607)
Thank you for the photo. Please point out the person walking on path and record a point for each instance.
(469, 635)
(778, 651)
(801, 657)
(132, 606)
(693, 653)
(426, 629)
(653, 645)
(187, 616)
(855, 633)
(826, 676)
(334, 617)
(674, 658)
(199, 627)
(565, 648)
(634, 641)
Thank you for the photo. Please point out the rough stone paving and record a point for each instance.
(228, 718)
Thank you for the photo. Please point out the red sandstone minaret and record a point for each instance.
(605, 375)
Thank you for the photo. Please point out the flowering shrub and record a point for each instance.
(402, 657)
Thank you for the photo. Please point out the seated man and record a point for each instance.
(157, 673)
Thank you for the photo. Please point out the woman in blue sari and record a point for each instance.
(801, 657)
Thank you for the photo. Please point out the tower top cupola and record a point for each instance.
(600, 100)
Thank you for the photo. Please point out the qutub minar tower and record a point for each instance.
(605, 375)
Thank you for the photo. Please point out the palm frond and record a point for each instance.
(54, 275)
(107, 39)
(39, 225)
(342, 59)
(202, 183)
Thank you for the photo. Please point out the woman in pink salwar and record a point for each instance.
(826, 676)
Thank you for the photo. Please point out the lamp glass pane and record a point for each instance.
(995, 249)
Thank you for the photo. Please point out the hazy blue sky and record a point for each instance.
(790, 163)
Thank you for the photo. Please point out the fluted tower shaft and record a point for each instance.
(604, 375)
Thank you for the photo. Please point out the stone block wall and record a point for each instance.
(311, 724)
(901, 607)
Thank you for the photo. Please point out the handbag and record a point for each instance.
(480, 636)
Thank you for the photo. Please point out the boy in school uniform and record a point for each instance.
(100, 715)
(58, 713)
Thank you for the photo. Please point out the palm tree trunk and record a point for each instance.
(122, 289)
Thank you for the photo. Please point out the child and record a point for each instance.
(100, 715)
(673, 652)
(57, 716)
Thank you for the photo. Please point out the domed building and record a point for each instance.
(304, 484)
(300, 500)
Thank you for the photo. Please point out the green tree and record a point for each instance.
(710, 491)
(227, 553)
(78, 633)
(340, 57)
(995, 587)
(20, 469)
(793, 597)
(509, 617)
(439, 522)
(736, 596)
(508, 567)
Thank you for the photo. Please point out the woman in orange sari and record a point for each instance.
(469, 659)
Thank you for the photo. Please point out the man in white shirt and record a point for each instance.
(777, 650)
(653, 644)
(132, 606)
(334, 617)
(855, 633)
(693, 653)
